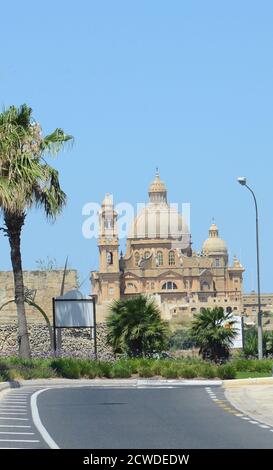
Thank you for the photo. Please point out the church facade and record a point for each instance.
(159, 261)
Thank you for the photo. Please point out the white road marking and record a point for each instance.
(13, 426)
(13, 402)
(253, 422)
(18, 440)
(263, 426)
(19, 419)
(11, 413)
(37, 420)
(11, 405)
(21, 433)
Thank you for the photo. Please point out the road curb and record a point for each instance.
(243, 382)
(4, 386)
(107, 383)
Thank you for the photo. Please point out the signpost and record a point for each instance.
(74, 313)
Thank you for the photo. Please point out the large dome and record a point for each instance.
(159, 219)
(214, 245)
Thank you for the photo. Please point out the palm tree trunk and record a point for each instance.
(14, 225)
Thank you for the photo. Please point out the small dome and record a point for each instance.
(157, 186)
(214, 245)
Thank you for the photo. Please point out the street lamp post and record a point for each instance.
(243, 182)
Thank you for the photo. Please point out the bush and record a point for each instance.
(145, 371)
(66, 367)
(188, 372)
(226, 371)
(4, 372)
(208, 371)
(251, 342)
(171, 372)
(120, 371)
(135, 327)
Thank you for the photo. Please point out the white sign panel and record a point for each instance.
(74, 313)
(238, 340)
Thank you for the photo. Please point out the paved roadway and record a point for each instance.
(174, 418)
(184, 417)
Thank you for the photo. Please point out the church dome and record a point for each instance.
(158, 219)
(214, 245)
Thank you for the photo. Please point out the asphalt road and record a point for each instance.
(172, 418)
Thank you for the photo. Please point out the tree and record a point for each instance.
(135, 327)
(26, 180)
(213, 332)
(251, 342)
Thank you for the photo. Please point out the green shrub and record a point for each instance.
(226, 371)
(145, 371)
(4, 372)
(121, 371)
(207, 371)
(171, 372)
(157, 367)
(66, 367)
(104, 369)
(188, 372)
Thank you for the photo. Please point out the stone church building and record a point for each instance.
(159, 261)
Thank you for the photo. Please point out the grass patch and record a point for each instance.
(13, 368)
(252, 375)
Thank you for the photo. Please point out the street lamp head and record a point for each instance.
(242, 180)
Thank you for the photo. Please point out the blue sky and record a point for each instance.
(182, 85)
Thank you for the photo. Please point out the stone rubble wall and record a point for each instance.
(75, 342)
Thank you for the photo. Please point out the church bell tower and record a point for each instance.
(108, 244)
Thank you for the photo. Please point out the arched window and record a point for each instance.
(160, 258)
(171, 258)
(205, 286)
(170, 285)
(137, 258)
(109, 257)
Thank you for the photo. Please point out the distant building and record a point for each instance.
(250, 304)
(159, 261)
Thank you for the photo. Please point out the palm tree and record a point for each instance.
(135, 327)
(26, 180)
(213, 332)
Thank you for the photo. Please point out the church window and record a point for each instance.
(109, 257)
(217, 263)
(152, 285)
(170, 285)
(108, 223)
(137, 258)
(171, 258)
(205, 286)
(160, 258)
